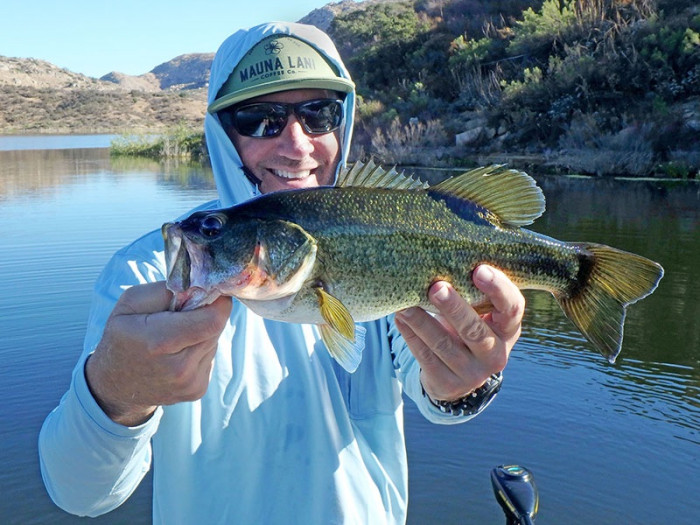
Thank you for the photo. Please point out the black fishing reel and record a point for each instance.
(516, 493)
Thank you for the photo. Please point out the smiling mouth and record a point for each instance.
(291, 174)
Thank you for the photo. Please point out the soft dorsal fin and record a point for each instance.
(371, 175)
(511, 196)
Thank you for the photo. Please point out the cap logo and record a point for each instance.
(271, 67)
(273, 47)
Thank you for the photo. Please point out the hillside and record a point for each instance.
(593, 86)
(39, 97)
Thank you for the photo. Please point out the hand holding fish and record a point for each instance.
(459, 349)
(149, 356)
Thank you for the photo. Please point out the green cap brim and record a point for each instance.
(340, 84)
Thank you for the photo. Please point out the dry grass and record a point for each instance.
(417, 142)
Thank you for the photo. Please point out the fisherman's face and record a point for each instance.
(293, 159)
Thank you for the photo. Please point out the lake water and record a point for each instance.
(607, 444)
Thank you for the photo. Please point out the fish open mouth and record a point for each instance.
(177, 259)
(192, 298)
(179, 267)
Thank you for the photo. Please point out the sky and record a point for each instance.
(95, 37)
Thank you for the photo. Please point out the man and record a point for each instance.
(250, 420)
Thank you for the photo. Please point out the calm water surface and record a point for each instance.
(47, 142)
(607, 444)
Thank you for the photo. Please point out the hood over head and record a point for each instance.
(317, 65)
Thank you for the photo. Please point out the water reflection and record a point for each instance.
(31, 172)
(664, 392)
(36, 172)
(660, 220)
(640, 385)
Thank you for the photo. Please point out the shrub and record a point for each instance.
(587, 149)
(414, 143)
(179, 142)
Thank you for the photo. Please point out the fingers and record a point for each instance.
(195, 326)
(144, 299)
(150, 356)
(166, 331)
(462, 319)
(187, 373)
(429, 341)
(508, 301)
(458, 349)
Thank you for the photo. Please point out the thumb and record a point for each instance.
(144, 299)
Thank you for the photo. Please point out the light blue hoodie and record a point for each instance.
(283, 434)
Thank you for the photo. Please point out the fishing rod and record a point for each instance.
(516, 493)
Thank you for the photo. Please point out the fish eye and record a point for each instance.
(211, 225)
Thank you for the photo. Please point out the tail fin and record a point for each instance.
(616, 279)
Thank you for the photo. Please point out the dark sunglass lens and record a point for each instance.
(321, 116)
(260, 120)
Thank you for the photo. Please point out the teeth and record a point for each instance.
(292, 174)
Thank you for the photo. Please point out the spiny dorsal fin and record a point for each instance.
(372, 176)
(512, 196)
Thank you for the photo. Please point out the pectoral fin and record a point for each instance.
(338, 333)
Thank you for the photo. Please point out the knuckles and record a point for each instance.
(476, 330)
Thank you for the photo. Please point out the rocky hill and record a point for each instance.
(39, 97)
(39, 74)
(190, 71)
(323, 16)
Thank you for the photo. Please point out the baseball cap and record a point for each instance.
(279, 63)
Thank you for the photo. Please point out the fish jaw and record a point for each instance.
(192, 298)
(186, 263)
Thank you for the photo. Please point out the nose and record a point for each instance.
(295, 143)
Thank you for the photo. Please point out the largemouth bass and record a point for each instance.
(374, 243)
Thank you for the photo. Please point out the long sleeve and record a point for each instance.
(90, 464)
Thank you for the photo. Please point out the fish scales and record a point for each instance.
(396, 243)
(333, 256)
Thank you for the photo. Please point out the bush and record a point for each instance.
(179, 142)
(414, 143)
(587, 149)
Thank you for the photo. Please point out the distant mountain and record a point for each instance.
(39, 97)
(40, 74)
(145, 82)
(190, 71)
(185, 72)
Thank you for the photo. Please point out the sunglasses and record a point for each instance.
(268, 119)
